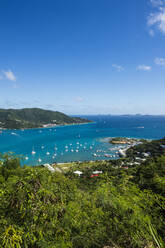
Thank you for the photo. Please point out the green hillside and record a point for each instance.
(120, 208)
(34, 117)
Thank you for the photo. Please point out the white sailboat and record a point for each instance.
(33, 151)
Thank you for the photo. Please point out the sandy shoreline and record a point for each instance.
(53, 126)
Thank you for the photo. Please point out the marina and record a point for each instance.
(85, 142)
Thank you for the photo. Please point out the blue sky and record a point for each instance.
(83, 56)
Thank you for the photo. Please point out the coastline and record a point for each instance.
(66, 135)
(53, 126)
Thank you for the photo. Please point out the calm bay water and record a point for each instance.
(78, 142)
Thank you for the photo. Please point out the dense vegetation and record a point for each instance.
(154, 148)
(33, 118)
(120, 208)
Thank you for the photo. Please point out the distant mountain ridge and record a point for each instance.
(35, 118)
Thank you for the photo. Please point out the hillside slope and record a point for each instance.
(118, 208)
(34, 117)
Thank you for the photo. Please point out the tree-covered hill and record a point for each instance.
(118, 209)
(34, 117)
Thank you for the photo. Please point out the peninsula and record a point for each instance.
(124, 141)
(35, 118)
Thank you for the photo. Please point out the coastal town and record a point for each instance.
(123, 159)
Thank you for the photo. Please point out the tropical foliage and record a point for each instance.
(120, 208)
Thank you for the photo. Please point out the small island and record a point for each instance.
(124, 141)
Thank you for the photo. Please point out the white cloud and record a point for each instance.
(157, 19)
(119, 68)
(9, 75)
(160, 61)
(79, 99)
(157, 3)
(151, 32)
(143, 68)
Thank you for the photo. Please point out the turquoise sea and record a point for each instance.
(78, 142)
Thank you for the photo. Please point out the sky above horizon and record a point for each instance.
(83, 56)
